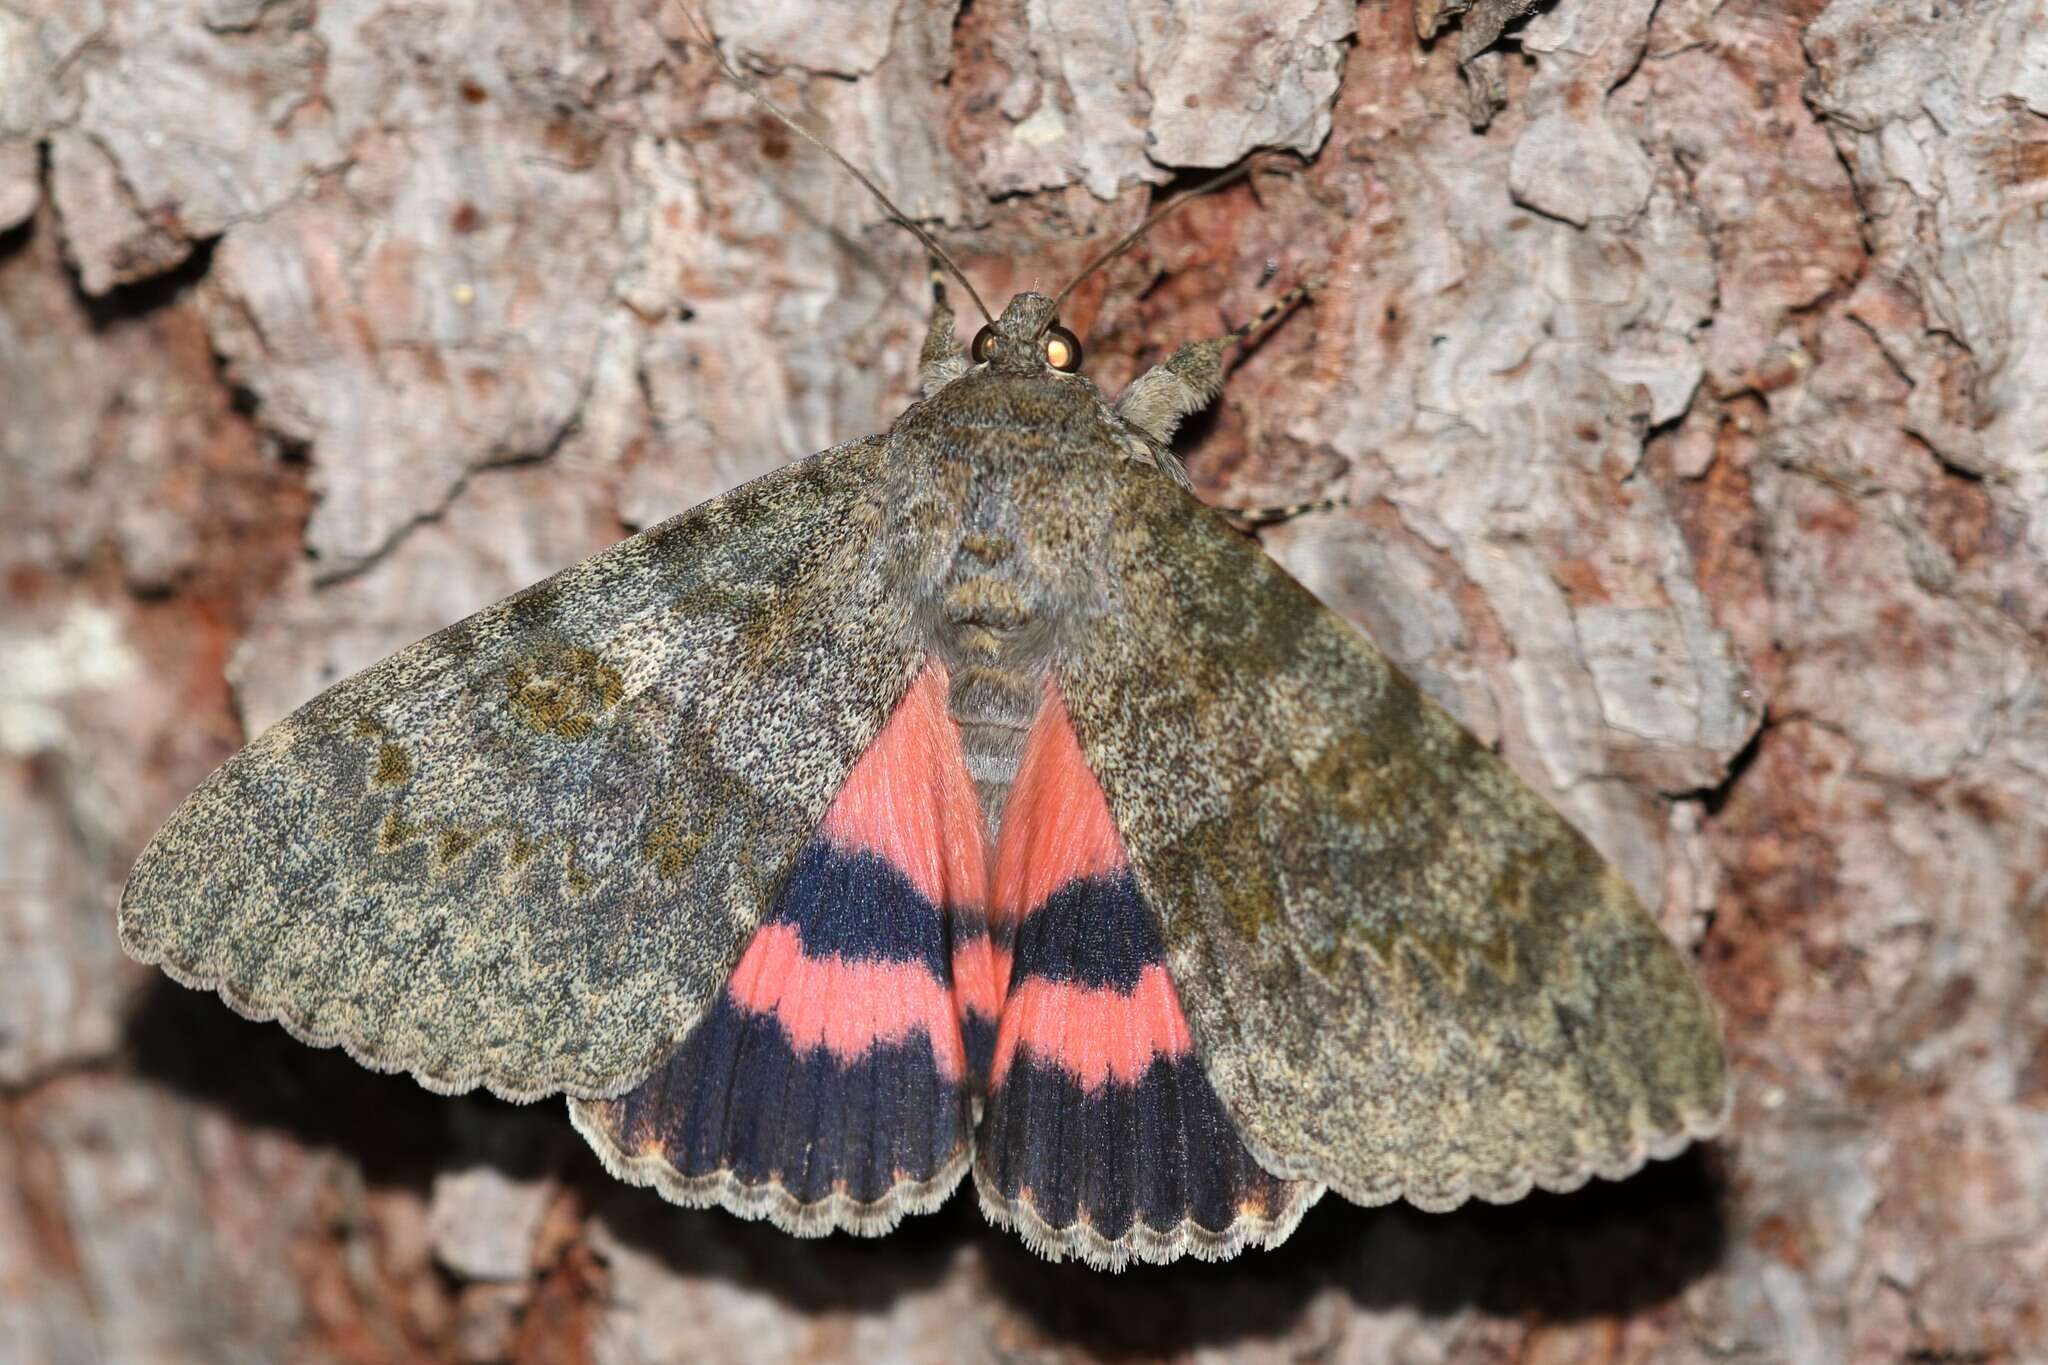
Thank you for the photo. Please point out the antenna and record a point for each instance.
(896, 215)
(1242, 171)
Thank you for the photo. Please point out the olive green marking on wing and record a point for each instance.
(1407, 974)
(563, 690)
(525, 852)
(393, 766)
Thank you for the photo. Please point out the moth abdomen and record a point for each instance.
(994, 706)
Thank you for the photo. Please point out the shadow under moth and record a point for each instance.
(970, 796)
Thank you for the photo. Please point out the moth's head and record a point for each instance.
(1027, 339)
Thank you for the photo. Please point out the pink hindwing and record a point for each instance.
(1101, 1136)
(830, 1085)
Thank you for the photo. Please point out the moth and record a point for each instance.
(968, 796)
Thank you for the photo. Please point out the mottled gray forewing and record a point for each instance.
(526, 851)
(1408, 975)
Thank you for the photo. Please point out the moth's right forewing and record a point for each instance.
(526, 851)
(1408, 976)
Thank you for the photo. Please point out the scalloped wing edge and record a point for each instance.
(1143, 1245)
(518, 1090)
(772, 1202)
(1646, 1146)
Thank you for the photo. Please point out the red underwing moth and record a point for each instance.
(966, 796)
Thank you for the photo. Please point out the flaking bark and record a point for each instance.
(1688, 418)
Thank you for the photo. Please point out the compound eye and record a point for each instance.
(1062, 349)
(984, 342)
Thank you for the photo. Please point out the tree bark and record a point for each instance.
(1687, 420)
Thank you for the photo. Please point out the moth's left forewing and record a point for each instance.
(525, 852)
(1407, 975)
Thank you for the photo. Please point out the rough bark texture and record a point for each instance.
(1690, 419)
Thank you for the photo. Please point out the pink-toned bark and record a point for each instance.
(1690, 419)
